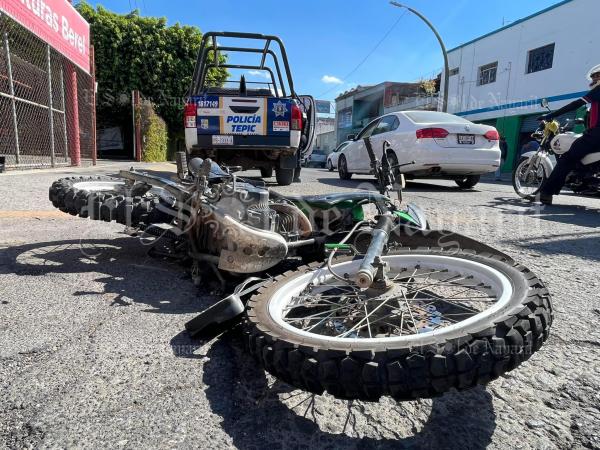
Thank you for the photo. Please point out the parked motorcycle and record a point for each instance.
(555, 140)
(373, 306)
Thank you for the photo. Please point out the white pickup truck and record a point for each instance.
(268, 128)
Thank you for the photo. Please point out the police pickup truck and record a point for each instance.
(267, 127)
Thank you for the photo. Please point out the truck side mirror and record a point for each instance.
(544, 103)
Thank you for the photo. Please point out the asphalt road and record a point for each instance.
(92, 352)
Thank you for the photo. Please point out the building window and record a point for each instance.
(454, 71)
(487, 74)
(540, 58)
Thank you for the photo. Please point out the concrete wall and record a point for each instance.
(572, 27)
(424, 103)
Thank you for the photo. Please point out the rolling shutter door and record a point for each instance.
(529, 124)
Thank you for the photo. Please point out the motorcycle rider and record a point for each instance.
(586, 144)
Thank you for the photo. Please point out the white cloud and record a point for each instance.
(330, 79)
(259, 73)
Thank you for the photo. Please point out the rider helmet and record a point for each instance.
(594, 76)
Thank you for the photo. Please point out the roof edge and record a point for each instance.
(516, 22)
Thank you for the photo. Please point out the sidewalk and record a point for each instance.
(102, 166)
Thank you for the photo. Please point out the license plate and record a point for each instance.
(466, 139)
(218, 139)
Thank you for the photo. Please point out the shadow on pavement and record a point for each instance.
(367, 184)
(421, 186)
(128, 275)
(259, 413)
(579, 215)
(370, 184)
(581, 245)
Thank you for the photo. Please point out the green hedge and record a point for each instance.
(154, 135)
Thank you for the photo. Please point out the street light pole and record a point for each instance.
(439, 38)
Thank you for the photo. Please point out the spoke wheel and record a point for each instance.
(426, 294)
(527, 181)
(443, 313)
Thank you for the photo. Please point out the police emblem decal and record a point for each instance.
(280, 109)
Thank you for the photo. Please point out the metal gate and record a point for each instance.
(47, 104)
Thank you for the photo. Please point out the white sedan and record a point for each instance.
(332, 158)
(441, 145)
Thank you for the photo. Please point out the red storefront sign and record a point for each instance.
(55, 22)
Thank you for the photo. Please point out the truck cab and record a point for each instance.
(254, 125)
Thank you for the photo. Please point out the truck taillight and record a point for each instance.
(432, 133)
(189, 115)
(296, 118)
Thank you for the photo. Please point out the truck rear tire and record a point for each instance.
(266, 172)
(284, 177)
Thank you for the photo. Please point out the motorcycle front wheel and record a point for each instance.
(527, 181)
(445, 320)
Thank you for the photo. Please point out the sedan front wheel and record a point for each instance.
(343, 169)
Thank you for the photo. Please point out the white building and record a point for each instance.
(501, 77)
(326, 141)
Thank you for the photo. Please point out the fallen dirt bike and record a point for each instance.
(382, 306)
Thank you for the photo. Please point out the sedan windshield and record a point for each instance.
(434, 117)
(341, 146)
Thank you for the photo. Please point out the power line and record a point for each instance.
(368, 54)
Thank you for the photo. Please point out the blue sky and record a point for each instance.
(327, 39)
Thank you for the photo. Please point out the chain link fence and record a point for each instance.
(47, 112)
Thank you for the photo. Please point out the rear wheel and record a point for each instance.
(445, 321)
(107, 199)
(343, 169)
(284, 177)
(468, 182)
(527, 181)
(266, 172)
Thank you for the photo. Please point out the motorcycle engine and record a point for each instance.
(249, 205)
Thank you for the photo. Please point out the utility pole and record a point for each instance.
(439, 38)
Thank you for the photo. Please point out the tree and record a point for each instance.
(142, 53)
(428, 86)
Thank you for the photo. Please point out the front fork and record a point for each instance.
(534, 162)
(373, 269)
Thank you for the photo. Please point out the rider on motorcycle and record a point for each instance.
(588, 143)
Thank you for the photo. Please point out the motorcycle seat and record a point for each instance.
(331, 200)
(591, 159)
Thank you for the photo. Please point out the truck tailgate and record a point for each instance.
(267, 119)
